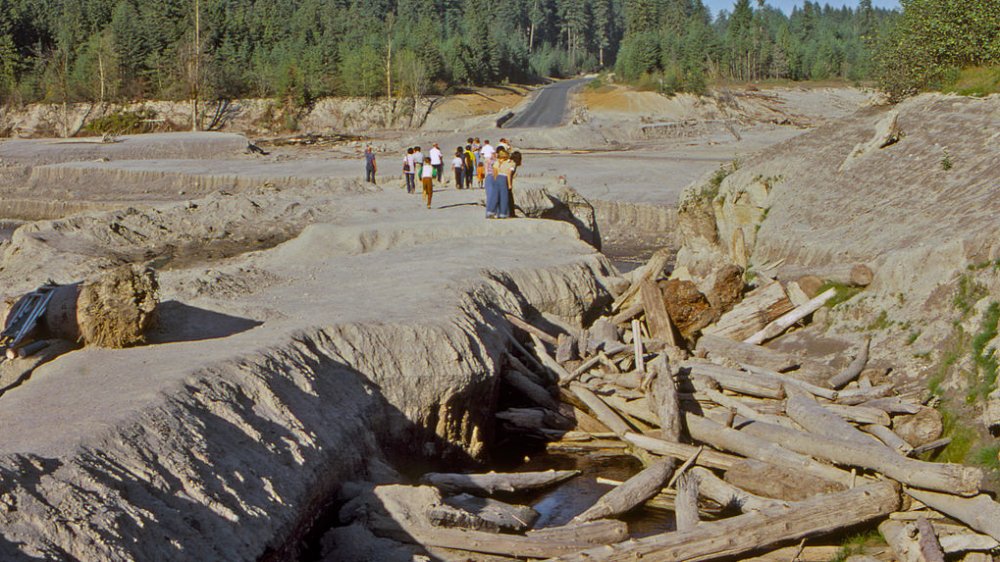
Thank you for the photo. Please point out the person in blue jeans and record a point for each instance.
(500, 180)
(370, 166)
(491, 202)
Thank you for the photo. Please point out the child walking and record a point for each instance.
(427, 179)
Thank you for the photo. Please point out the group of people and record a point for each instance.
(478, 162)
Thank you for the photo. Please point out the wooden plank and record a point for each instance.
(657, 317)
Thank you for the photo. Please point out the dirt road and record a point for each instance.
(548, 108)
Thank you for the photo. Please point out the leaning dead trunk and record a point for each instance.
(631, 493)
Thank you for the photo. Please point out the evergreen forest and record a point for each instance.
(104, 50)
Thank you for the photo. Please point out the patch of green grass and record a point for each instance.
(844, 292)
(715, 182)
(978, 81)
(946, 163)
(963, 437)
(912, 337)
(987, 457)
(881, 322)
(968, 293)
(855, 544)
(985, 358)
(979, 266)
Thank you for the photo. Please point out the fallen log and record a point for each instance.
(640, 363)
(633, 492)
(503, 515)
(819, 421)
(531, 390)
(751, 446)
(549, 361)
(860, 414)
(964, 480)
(747, 353)
(707, 458)
(686, 503)
(663, 397)
(535, 418)
(853, 370)
(966, 541)
(933, 445)
(580, 446)
(912, 542)
(781, 378)
(583, 368)
(627, 314)
(530, 329)
(745, 410)
(541, 546)
(980, 512)
(800, 554)
(757, 309)
(602, 411)
(889, 438)
(632, 409)
(853, 397)
(734, 380)
(515, 364)
(525, 353)
(755, 530)
(491, 482)
(893, 405)
(778, 482)
(727, 495)
(788, 320)
(603, 531)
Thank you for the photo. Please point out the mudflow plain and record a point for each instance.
(317, 336)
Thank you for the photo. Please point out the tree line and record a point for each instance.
(102, 50)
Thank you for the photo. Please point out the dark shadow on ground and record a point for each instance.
(179, 322)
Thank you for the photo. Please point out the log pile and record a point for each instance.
(787, 446)
(754, 450)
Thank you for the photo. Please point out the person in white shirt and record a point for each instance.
(486, 152)
(437, 160)
(458, 163)
(418, 161)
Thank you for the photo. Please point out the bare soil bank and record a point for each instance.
(910, 192)
(277, 373)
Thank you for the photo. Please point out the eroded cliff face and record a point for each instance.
(910, 191)
(304, 333)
